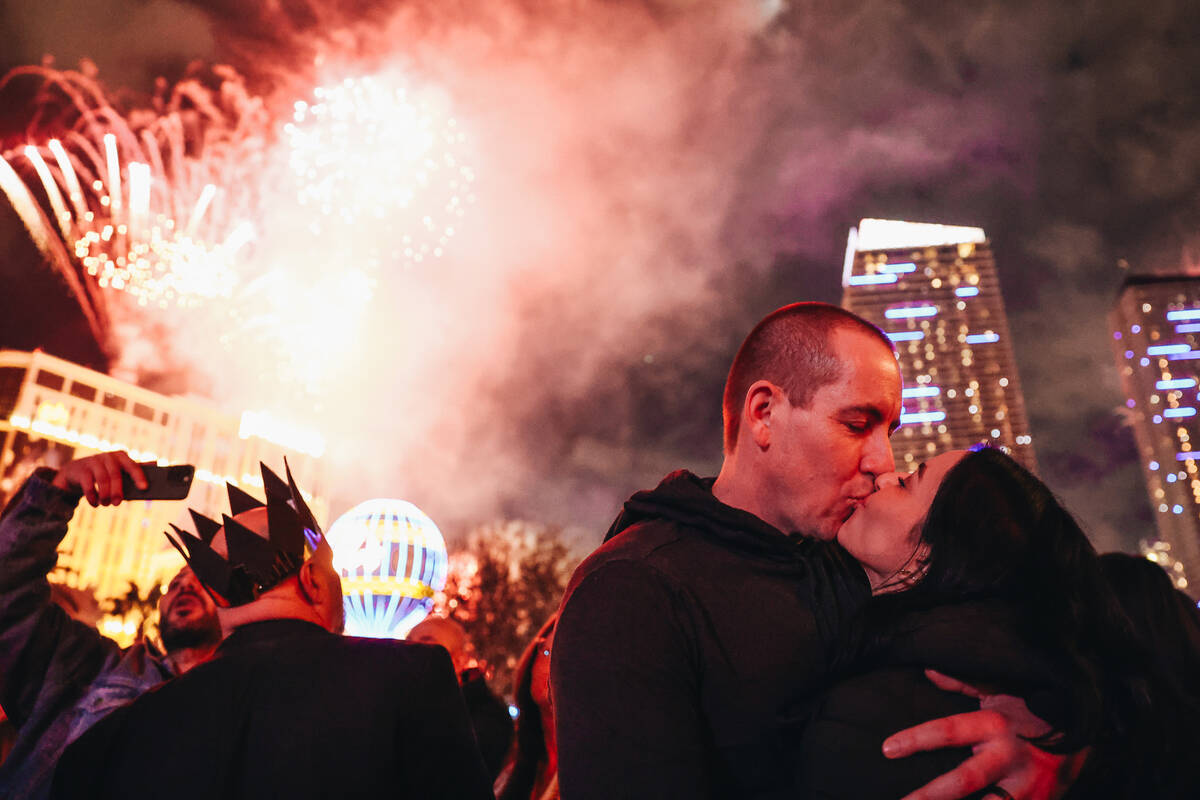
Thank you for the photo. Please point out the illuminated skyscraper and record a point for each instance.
(1156, 341)
(933, 289)
(52, 411)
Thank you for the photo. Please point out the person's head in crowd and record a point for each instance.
(447, 633)
(978, 525)
(534, 754)
(312, 593)
(267, 561)
(489, 713)
(1164, 618)
(809, 404)
(1167, 626)
(187, 616)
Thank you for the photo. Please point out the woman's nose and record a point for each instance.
(887, 479)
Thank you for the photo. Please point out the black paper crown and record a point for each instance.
(254, 564)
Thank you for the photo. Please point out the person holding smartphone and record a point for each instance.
(59, 676)
(287, 707)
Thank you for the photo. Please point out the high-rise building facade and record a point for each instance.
(53, 411)
(934, 290)
(1156, 342)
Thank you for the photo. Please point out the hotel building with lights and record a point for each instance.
(1155, 326)
(933, 289)
(53, 411)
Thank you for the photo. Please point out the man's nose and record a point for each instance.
(877, 458)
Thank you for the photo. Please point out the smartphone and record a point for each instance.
(165, 483)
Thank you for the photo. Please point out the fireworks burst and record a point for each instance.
(378, 152)
(136, 203)
(157, 208)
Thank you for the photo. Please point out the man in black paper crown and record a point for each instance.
(287, 708)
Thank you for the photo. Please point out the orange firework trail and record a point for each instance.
(139, 203)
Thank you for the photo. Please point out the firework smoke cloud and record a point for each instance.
(618, 191)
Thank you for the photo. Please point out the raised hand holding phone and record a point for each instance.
(99, 477)
(171, 482)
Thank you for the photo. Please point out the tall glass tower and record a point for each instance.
(1156, 342)
(933, 289)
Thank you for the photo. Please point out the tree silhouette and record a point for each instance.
(502, 584)
(133, 606)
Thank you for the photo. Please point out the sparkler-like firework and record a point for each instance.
(137, 204)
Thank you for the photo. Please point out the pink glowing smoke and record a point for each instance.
(634, 166)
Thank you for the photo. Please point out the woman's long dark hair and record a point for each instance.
(996, 532)
(530, 752)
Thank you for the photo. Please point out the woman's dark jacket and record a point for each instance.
(885, 690)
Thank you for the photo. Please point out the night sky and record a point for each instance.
(734, 144)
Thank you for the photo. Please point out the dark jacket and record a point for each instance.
(57, 676)
(685, 645)
(490, 720)
(287, 709)
(883, 689)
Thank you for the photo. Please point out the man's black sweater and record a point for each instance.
(689, 645)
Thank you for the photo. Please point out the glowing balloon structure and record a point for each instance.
(392, 560)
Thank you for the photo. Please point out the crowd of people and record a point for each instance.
(810, 623)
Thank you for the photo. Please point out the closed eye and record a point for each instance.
(859, 420)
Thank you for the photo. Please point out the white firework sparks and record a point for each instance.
(374, 151)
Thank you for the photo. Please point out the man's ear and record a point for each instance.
(310, 587)
(761, 399)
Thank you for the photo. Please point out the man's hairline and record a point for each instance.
(865, 329)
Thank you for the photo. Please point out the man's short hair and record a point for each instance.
(792, 348)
